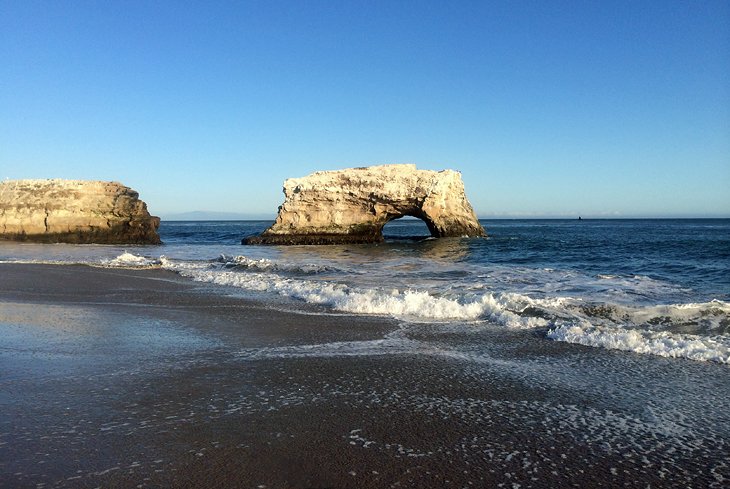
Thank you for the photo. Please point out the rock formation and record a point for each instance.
(353, 205)
(74, 211)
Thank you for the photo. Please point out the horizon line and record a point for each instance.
(495, 218)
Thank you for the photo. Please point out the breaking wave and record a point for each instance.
(129, 260)
(697, 331)
(662, 343)
(407, 304)
(267, 265)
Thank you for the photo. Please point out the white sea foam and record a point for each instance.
(385, 346)
(408, 303)
(129, 260)
(267, 265)
(707, 316)
(711, 317)
(242, 261)
(182, 266)
(696, 331)
(663, 343)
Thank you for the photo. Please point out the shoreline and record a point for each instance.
(127, 378)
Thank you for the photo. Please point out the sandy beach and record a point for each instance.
(141, 378)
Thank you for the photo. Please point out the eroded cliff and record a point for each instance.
(353, 205)
(74, 211)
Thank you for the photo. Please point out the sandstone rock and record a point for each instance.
(353, 205)
(74, 211)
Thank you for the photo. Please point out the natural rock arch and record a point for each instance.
(353, 205)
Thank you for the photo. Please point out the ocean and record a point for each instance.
(655, 287)
(554, 353)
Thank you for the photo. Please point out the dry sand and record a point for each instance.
(139, 378)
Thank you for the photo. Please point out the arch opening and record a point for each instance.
(407, 227)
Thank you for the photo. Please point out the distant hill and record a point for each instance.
(215, 216)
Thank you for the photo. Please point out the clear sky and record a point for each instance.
(548, 108)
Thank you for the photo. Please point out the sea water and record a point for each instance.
(656, 287)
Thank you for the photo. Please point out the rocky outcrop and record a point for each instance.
(74, 211)
(353, 205)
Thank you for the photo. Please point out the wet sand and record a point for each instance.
(140, 378)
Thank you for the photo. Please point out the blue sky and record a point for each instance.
(603, 109)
